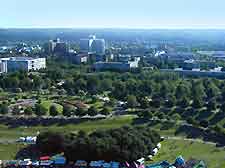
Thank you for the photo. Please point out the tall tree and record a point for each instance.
(28, 111)
(182, 90)
(53, 111)
(67, 110)
(4, 109)
(92, 111)
(197, 102)
(132, 101)
(40, 110)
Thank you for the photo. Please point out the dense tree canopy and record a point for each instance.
(122, 144)
(158, 92)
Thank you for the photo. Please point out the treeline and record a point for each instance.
(155, 85)
(23, 81)
(122, 144)
(197, 100)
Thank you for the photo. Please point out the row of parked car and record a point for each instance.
(43, 162)
(60, 161)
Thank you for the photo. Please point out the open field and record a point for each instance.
(14, 133)
(213, 156)
(8, 151)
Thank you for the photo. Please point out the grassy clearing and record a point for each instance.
(87, 126)
(213, 156)
(8, 151)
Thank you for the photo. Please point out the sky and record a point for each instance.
(147, 14)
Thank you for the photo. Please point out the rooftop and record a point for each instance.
(21, 58)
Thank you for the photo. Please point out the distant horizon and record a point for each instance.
(122, 28)
(125, 14)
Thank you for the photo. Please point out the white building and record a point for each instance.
(13, 64)
(80, 58)
(3, 64)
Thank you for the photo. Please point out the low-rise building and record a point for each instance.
(13, 64)
(79, 58)
(215, 73)
(120, 66)
(218, 55)
(178, 57)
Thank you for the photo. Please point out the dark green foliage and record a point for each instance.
(28, 111)
(82, 112)
(217, 118)
(184, 102)
(92, 111)
(132, 101)
(182, 90)
(197, 102)
(122, 144)
(40, 110)
(144, 103)
(147, 114)
(156, 103)
(50, 143)
(211, 88)
(211, 105)
(170, 102)
(168, 91)
(176, 116)
(222, 108)
(16, 110)
(204, 123)
(4, 109)
(53, 111)
(160, 115)
(67, 110)
(106, 84)
(106, 111)
(192, 121)
(218, 129)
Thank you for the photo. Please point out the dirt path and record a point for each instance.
(191, 140)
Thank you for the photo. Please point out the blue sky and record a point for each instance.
(112, 13)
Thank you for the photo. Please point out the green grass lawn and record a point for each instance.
(88, 126)
(8, 151)
(213, 156)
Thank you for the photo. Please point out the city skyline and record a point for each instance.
(144, 14)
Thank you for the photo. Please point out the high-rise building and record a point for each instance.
(98, 46)
(52, 45)
(56, 46)
(92, 44)
(61, 48)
